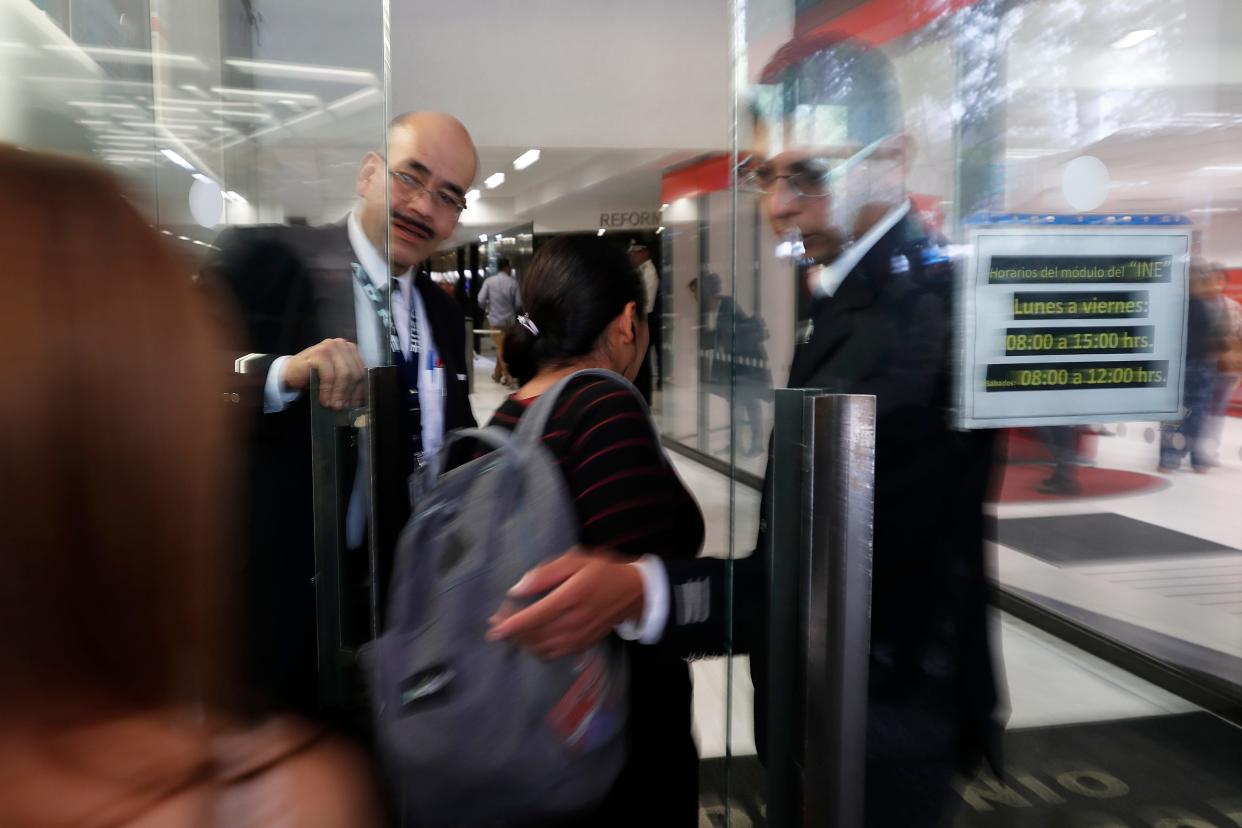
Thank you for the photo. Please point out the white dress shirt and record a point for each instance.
(651, 284)
(373, 348)
(824, 282)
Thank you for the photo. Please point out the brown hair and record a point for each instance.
(111, 434)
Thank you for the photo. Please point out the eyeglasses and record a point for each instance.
(811, 178)
(409, 185)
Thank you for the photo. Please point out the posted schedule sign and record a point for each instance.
(1072, 323)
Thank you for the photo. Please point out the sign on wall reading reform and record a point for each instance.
(1073, 320)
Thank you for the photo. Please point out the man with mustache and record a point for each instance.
(319, 298)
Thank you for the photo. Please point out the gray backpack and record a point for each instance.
(482, 733)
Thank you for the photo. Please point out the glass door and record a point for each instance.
(1111, 555)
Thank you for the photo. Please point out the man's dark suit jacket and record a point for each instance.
(932, 696)
(291, 288)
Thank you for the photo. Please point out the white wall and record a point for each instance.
(568, 73)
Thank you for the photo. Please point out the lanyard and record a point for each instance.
(385, 315)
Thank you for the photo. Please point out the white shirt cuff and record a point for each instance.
(650, 627)
(275, 395)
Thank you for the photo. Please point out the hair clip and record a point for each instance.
(529, 324)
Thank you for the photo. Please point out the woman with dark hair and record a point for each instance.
(119, 704)
(585, 309)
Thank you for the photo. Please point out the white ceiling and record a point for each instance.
(612, 94)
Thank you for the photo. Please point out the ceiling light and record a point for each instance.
(274, 94)
(213, 101)
(472, 196)
(133, 56)
(93, 82)
(354, 98)
(659, 230)
(499, 237)
(283, 69)
(194, 90)
(494, 181)
(1134, 38)
(184, 238)
(601, 232)
(103, 105)
(526, 159)
(94, 122)
(483, 238)
(202, 178)
(180, 119)
(240, 113)
(234, 197)
(1223, 168)
(172, 156)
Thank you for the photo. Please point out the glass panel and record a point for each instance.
(219, 116)
(999, 104)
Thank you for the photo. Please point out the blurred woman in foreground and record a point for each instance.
(116, 692)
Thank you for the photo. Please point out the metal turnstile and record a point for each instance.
(819, 571)
(351, 586)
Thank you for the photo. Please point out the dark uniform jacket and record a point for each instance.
(291, 288)
(932, 695)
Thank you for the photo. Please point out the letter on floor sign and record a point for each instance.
(979, 793)
(1095, 784)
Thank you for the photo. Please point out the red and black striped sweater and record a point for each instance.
(629, 499)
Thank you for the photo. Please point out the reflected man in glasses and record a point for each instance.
(330, 298)
(829, 164)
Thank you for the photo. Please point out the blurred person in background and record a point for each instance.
(585, 309)
(649, 375)
(1229, 366)
(1062, 445)
(735, 361)
(1206, 336)
(319, 298)
(499, 297)
(118, 697)
(829, 162)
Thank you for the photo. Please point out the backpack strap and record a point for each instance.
(491, 437)
(535, 421)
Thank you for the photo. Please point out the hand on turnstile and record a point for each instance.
(342, 374)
